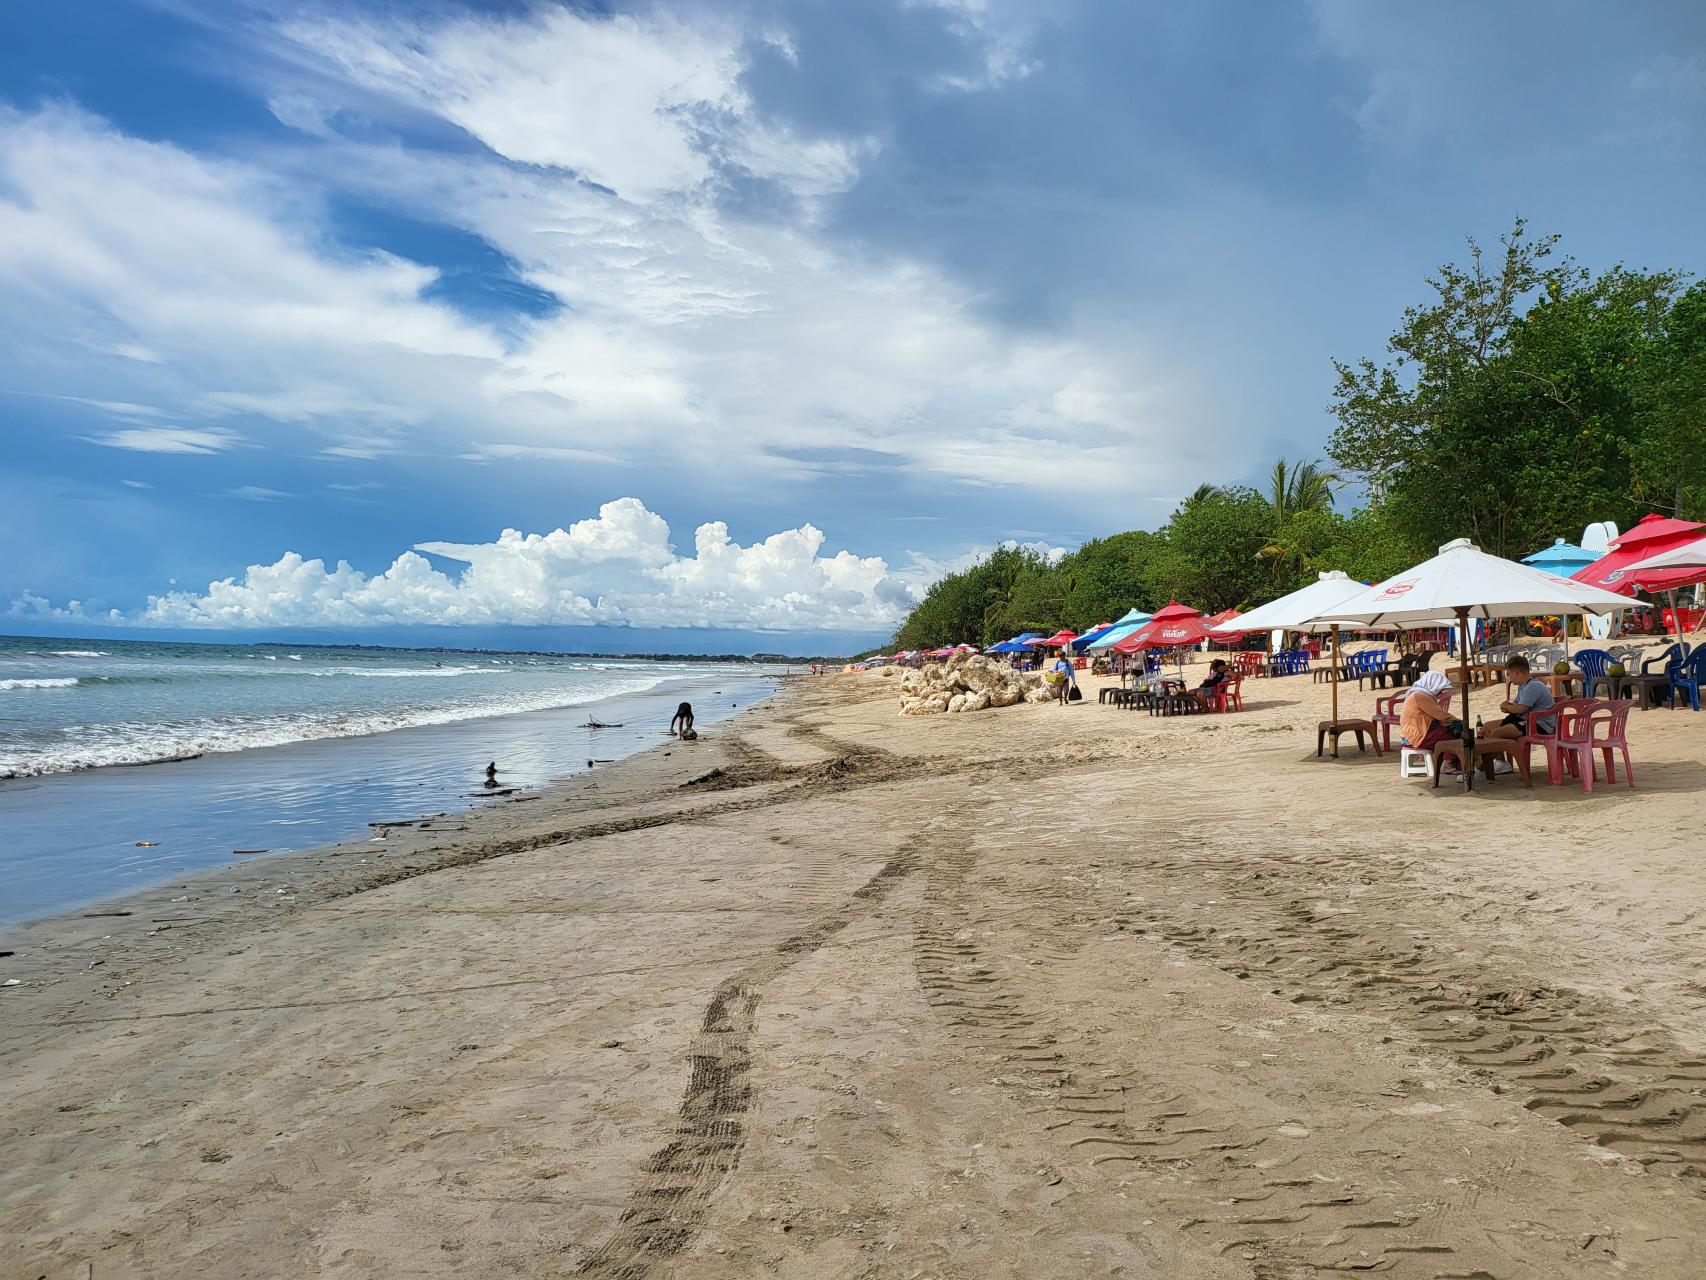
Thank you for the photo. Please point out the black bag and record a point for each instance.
(1075, 694)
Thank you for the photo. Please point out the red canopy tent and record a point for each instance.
(1651, 535)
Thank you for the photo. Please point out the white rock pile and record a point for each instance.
(968, 682)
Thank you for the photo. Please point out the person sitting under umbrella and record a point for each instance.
(1532, 698)
(1217, 676)
(1422, 721)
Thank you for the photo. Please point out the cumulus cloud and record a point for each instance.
(618, 568)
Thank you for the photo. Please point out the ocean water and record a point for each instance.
(263, 746)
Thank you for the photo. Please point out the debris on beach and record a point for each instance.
(968, 682)
(592, 723)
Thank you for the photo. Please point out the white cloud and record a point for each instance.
(618, 568)
(688, 337)
(168, 439)
(256, 493)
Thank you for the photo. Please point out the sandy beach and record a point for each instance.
(1037, 992)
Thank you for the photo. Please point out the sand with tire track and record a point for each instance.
(1038, 992)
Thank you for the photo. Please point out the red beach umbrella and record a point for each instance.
(1160, 633)
(1063, 636)
(1177, 624)
(1650, 536)
(1173, 610)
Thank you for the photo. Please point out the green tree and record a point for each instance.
(1300, 498)
(1668, 454)
(1108, 576)
(1510, 401)
(1210, 551)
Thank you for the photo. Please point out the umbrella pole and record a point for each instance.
(1463, 671)
(1335, 629)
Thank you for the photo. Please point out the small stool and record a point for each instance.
(1336, 727)
(1415, 763)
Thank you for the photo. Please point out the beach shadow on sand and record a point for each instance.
(1667, 777)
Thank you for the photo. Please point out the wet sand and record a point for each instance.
(1037, 992)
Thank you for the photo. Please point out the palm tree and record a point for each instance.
(1295, 489)
(1300, 486)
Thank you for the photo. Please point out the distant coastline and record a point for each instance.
(765, 659)
(651, 655)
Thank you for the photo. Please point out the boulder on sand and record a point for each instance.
(966, 682)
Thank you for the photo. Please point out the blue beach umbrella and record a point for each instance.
(1562, 558)
(1084, 641)
(1126, 626)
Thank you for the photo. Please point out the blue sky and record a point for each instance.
(748, 317)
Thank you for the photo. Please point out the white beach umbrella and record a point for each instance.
(1464, 582)
(1299, 611)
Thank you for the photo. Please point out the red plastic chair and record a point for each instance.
(1550, 742)
(1386, 714)
(1596, 726)
(1228, 693)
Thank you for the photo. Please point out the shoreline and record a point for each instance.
(1030, 992)
(459, 806)
(116, 931)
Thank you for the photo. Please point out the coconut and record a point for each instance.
(1560, 668)
(1617, 671)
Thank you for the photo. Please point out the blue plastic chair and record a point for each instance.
(1592, 664)
(1665, 661)
(1685, 677)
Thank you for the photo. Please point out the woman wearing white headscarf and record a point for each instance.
(1422, 716)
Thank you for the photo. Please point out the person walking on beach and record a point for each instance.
(1067, 679)
(682, 725)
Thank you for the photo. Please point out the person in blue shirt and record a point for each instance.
(1063, 669)
(1532, 698)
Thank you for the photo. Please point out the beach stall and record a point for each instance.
(1461, 582)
